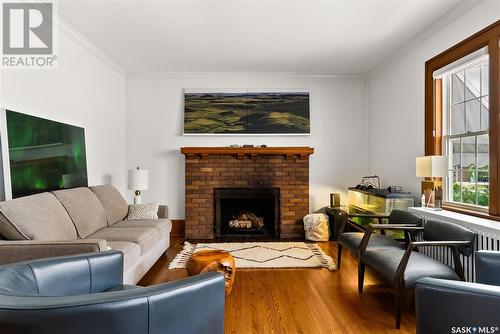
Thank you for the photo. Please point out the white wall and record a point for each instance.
(84, 91)
(349, 143)
(396, 96)
(155, 123)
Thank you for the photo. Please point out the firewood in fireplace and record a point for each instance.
(247, 220)
(240, 224)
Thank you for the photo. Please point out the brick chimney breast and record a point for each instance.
(206, 168)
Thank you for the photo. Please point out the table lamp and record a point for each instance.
(433, 168)
(138, 180)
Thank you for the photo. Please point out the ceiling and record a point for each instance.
(290, 37)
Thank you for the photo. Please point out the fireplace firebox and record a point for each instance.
(247, 212)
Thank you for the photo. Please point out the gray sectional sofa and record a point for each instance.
(81, 220)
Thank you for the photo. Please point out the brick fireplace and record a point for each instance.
(282, 168)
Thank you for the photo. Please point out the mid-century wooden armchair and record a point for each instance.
(403, 267)
(351, 240)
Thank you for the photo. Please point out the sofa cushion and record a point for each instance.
(84, 208)
(36, 217)
(113, 202)
(164, 226)
(131, 252)
(146, 237)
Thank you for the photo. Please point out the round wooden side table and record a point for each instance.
(213, 260)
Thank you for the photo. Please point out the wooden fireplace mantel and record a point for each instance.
(302, 152)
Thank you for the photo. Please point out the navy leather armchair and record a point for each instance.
(404, 267)
(86, 294)
(352, 240)
(444, 306)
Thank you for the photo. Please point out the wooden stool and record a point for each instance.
(213, 260)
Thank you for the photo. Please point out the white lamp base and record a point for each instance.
(137, 199)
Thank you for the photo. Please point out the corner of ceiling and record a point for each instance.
(69, 31)
(451, 15)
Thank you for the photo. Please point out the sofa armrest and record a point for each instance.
(163, 211)
(25, 250)
(442, 304)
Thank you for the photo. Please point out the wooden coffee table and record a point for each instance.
(213, 260)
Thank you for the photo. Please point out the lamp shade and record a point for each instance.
(138, 179)
(432, 166)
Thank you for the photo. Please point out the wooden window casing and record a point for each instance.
(488, 37)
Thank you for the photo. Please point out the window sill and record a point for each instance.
(471, 212)
(484, 226)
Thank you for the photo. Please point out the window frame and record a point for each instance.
(433, 133)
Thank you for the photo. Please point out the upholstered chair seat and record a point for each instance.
(351, 241)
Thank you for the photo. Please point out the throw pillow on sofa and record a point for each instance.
(143, 211)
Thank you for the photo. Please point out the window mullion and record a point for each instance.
(461, 170)
(476, 172)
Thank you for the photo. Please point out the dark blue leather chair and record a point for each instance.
(402, 268)
(351, 240)
(444, 306)
(86, 294)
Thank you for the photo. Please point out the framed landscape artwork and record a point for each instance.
(247, 111)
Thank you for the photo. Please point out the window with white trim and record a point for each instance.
(466, 132)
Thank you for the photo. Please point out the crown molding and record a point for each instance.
(238, 74)
(69, 31)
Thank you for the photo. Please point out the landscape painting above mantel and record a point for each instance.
(246, 111)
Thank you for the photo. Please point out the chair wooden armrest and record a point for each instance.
(392, 227)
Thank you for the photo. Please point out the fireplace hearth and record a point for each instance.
(247, 212)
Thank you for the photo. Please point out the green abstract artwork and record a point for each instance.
(246, 112)
(44, 155)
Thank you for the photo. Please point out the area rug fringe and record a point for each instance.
(180, 260)
(326, 261)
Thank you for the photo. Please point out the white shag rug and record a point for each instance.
(262, 254)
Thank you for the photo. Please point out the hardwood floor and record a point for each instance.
(302, 300)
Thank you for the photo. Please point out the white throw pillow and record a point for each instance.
(143, 211)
